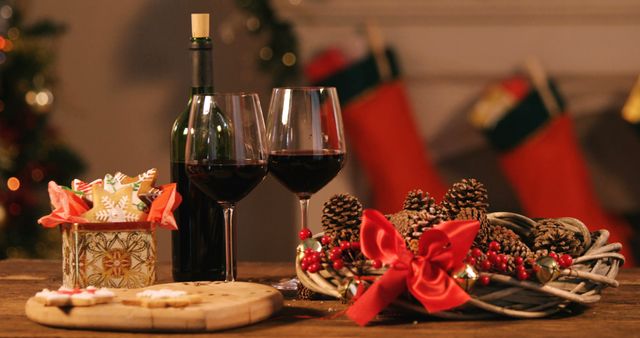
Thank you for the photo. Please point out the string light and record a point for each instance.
(6, 45)
(13, 183)
(253, 24)
(13, 33)
(15, 209)
(6, 12)
(289, 59)
(266, 53)
(3, 214)
(227, 35)
(40, 100)
(37, 175)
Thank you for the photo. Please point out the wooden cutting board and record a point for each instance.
(223, 306)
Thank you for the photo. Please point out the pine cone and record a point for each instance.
(341, 212)
(482, 238)
(510, 242)
(412, 224)
(550, 234)
(468, 193)
(417, 200)
(304, 293)
(349, 235)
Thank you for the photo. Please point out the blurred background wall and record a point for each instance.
(123, 72)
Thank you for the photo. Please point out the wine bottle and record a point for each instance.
(198, 247)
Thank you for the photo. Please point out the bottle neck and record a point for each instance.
(201, 66)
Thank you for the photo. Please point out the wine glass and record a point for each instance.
(306, 141)
(226, 154)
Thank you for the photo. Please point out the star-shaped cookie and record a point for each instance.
(113, 207)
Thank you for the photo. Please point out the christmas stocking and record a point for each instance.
(541, 158)
(378, 120)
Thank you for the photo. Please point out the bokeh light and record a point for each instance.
(13, 183)
(289, 59)
(37, 175)
(266, 53)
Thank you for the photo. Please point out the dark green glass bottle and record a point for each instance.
(198, 247)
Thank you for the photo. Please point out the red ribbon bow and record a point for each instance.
(426, 275)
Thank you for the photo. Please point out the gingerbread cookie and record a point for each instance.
(141, 185)
(113, 207)
(163, 298)
(74, 297)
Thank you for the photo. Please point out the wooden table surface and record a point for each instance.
(616, 315)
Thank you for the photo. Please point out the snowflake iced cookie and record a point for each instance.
(74, 297)
(141, 185)
(163, 298)
(113, 207)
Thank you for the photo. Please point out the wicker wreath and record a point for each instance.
(582, 283)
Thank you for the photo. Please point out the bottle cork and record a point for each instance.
(200, 25)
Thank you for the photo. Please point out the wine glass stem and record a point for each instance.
(304, 211)
(230, 243)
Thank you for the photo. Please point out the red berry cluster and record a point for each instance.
(344, 249)
(312, 261)
(494, 261)
(305, 233)
(339, 256)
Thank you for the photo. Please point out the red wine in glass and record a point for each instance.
(227, 182)
(306, 140)
(226, 155)
(305, 172)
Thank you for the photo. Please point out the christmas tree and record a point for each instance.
(31, 152)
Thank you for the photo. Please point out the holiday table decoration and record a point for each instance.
(108, 228)
(454, 259)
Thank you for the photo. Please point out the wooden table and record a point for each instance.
(617, 315)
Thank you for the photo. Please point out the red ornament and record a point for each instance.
(344, 245)
(308, 251)
(338, 264)
(485, 265)
(494, 246)
(554, 256)
(502, 267)
(475, 252)
(325, 240)
(520, 268)
(355, 245)
(304, 234)
(502, 258)
(377, 264)
(304, 265)
(523, 275)
(565, 261)
(485, 280)
(519, 261)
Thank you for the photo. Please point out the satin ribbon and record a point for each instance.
(426, 275)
